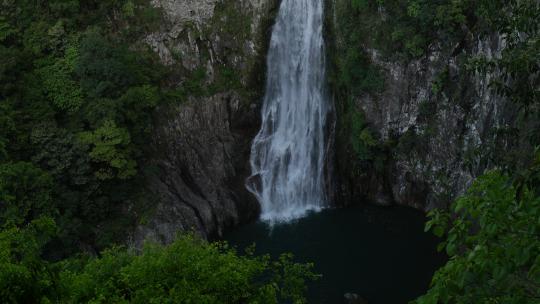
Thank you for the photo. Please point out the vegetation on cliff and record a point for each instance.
(77, 94)
(492, 233)
(401, 32)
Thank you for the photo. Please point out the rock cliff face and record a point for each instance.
(451, 129)
(202, 141)
(439, 125)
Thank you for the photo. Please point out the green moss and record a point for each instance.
(357, 74)
(404, 30)
(440, 81)
(230, 18)
(194, 83)
(361, 138)
(358, 144)
(226, 79)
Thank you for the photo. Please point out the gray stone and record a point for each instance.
(352, 298)
(201, 147)
(456, 143)
(202, 160)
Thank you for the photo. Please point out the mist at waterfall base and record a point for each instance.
(381, 254)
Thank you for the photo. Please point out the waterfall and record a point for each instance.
(288, 154)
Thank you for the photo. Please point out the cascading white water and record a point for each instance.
(288, 154)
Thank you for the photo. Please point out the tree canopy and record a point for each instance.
(189, 270)
(493, 241)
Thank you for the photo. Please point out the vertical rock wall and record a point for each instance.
(202, 142)
(439, 125)
(452, 130)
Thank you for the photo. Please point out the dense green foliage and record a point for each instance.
(188, 271)
(76, 96)
(24, 276)
(493, 240)
(413, 27)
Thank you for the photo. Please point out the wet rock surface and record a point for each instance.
(450, 130)
(201, 145)
(201, 160)
(440, 125)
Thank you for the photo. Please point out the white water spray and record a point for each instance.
(288, 154)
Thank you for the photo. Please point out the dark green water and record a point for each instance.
(381, 254)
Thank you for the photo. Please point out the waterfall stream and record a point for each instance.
(288, 154)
